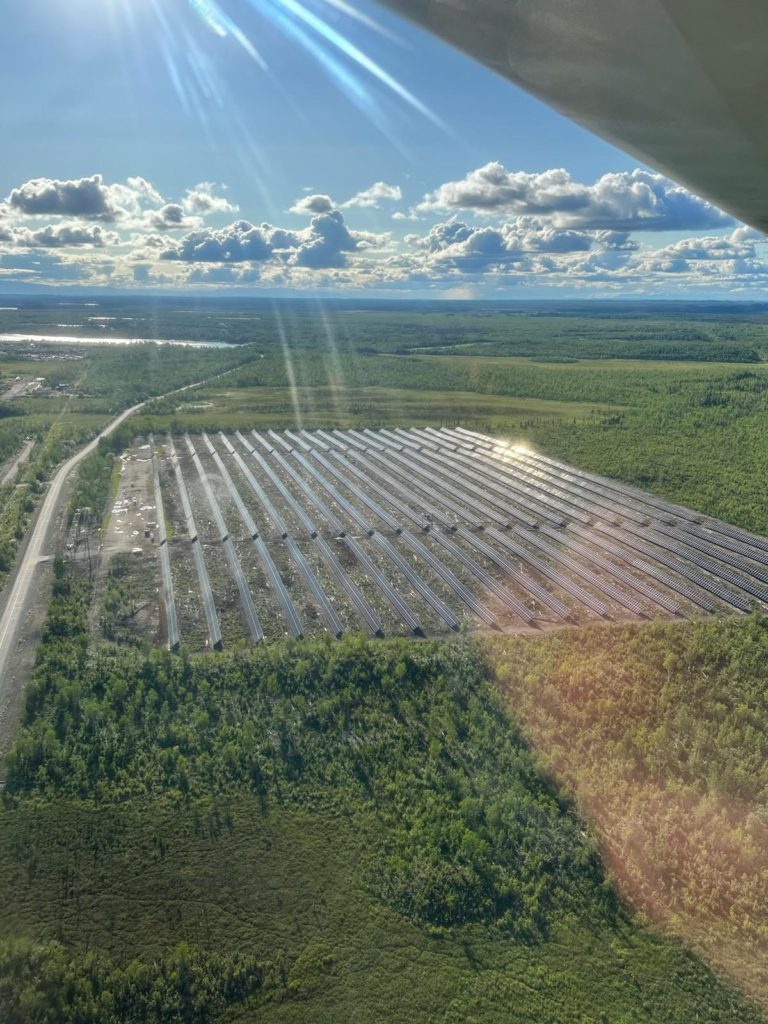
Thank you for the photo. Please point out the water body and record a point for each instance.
(66, 339)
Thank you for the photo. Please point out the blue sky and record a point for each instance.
(299, 145)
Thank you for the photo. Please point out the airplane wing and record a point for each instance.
(680, 84)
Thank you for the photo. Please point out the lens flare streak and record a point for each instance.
(222, 25)
(345, 62)
(350, 50)
(344, 8)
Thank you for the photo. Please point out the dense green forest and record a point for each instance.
(304, 831)
(721, 332)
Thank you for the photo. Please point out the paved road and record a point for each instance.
(18, 601)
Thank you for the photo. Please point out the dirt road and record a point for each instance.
(21, 458)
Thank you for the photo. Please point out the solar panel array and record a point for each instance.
(422, 531)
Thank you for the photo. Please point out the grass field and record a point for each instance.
(370, 406)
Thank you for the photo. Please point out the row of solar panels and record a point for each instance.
(544, 486)
(330, 558)
(412, 578)
(587, 499)
(573, 529)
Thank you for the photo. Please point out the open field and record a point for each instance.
(264, 407)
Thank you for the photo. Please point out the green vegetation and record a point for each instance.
(349, 829)
(107, 378)
(653, 394)
(594, 382)
(360, 830)
(20, 501)
(698, 442)
(98, 475)
(180, 988)
(472, 856)
(720, 332)
(658, 734)
(123, 596)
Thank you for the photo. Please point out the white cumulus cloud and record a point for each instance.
(313, 204)
(627, 201)
(371, 197)
(202, 200)
(492, 232)
(89, 198)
